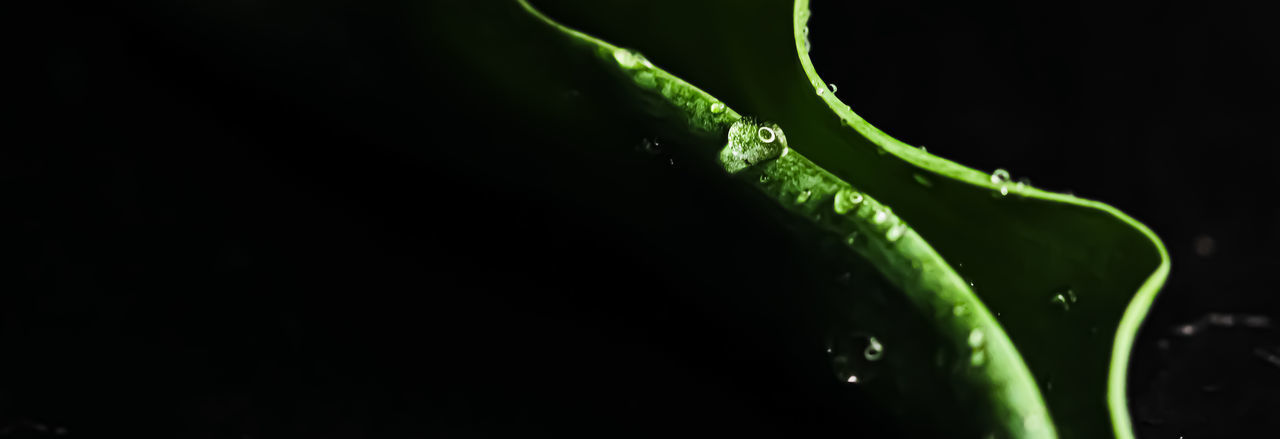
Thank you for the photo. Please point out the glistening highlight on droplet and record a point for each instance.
(766, 134)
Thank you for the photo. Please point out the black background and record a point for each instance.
(270, 231)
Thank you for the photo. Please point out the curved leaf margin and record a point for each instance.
(1138, 306)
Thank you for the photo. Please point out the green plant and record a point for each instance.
(1012, 310)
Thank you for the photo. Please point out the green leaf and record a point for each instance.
(1065, 281)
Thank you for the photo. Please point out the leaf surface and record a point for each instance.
(1068, 280)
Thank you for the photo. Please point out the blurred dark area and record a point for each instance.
(289, 219)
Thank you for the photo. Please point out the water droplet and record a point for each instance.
(999, 176)
(1064, 299)
(832, 86)
(846, 200)
(874, 350)
(804, 196)
(766, 134)
(978, 358)
(896, 232)
(1004, 190)
(821, 90)
(880, 217)
(630, 59)
(977, 339)
(805, 30)
(959, 310)
(717, 108)
(852, 356)
(977, 344)
(646, 80)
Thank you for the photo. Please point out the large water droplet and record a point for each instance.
(629, 59)
(846, 200)
(1063, 300)
(717, 108)
(880, 216)
(832, 86)
(751, 143)
(999, 176)
(821, 90)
